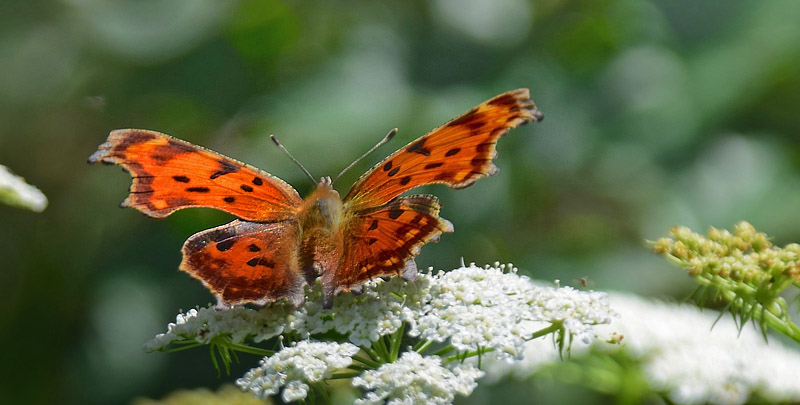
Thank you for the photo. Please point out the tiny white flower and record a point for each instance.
(16, 192)
(414, 379)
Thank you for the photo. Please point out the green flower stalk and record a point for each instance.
(743, 269)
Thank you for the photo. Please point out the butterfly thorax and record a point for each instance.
(320, 228)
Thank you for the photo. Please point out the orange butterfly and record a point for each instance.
(282, 242)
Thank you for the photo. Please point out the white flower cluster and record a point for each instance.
(492, 309)
(696, 364)
(363, 319)
(578, 310)
(204, 324)
(414, 379)
(293, 367)
(683, 356)
(475, 308)
(16, 192)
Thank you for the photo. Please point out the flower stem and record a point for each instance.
(179, 349)
(380, 347)
(443, 351)
(465, 355)
(344, 376)
(394, 343)
(250, 349)
(555, 326)
(422, 346)
(372, 354)
(369, 363)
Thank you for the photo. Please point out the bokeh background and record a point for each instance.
(658, 113)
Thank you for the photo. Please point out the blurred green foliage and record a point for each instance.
(658, 113)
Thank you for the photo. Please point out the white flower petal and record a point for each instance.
(16, 192)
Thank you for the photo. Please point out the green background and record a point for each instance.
(658, 113)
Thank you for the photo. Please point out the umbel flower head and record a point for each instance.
(742, 268)
(395, 329)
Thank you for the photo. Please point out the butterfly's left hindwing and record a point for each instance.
(247, 262)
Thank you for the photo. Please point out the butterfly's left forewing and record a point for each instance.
(170, 174)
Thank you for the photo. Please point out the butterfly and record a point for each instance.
(281, 242)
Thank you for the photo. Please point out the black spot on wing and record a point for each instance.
(374, 225)
(417, 147)
(247, 188)
(225, 167)
(253, 248)
(257, 181)
(452, 152)
(394, 171)
(198, 189)
(261, 261)
(387, 166)
(433, 165)
(225, 244)
(395, 213)
(229, 199)
(475, 126)
(180, 179)
(405, 180)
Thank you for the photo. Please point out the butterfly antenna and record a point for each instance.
(385, 139)
(297, 162)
